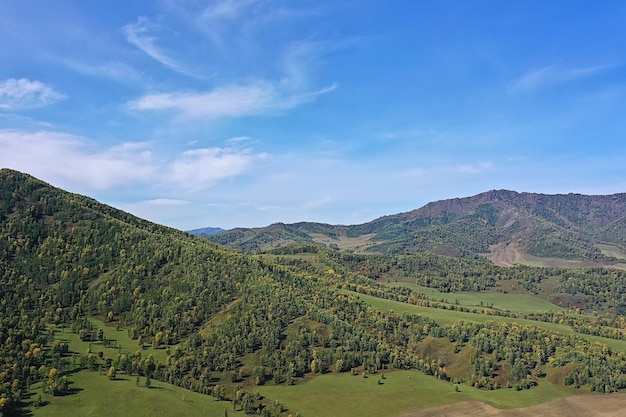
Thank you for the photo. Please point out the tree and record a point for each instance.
(112, 373)
(57, 384)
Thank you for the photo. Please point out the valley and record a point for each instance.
(321, 322)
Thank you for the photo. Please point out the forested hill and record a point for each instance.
(65, 257)
(567, 226)
(222, 323)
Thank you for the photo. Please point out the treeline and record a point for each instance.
(597, 288)
(444, 273)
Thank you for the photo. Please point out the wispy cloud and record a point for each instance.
(113, 70)
(226, 9)
(238, 27)
(225, 101)
(166, 202)
(20, 94)
(234, 22)
(76, 162)
(144, 35)
(477, 168)
(454, 170)
(551, 75)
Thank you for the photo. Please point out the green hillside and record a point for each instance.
(92, 296)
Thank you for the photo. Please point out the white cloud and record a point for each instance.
(229, 101)
(202, 168)
(239, 139)
(69, 160)
(143, 35)
(19, 94)
(73, 162)
(551, 75)
(165, 202)
(225, 101)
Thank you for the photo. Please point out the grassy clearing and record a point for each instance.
(343, 242)
(447, 317)
(343, 395)
(123, 343)
(518, 303)
(95, 396)
(327, 395)
(612, 251)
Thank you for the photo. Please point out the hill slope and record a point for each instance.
(552, 226)
(224, 323)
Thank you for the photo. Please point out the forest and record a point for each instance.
(227, 322)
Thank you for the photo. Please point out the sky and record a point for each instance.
(243, 113)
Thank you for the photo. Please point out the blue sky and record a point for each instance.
(230, 113)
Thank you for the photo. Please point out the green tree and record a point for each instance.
(111, 374)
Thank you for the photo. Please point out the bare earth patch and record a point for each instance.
(509, 254)
(343, 242)
(503, 254)
(612, 405)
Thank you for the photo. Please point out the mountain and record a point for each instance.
(65, 258)
(206, 231)
(87, 288)
(565, 226)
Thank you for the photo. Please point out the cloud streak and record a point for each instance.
(226, 9)
(118, 71)
(143, 35)
(226, 101)
(552, 75)
(21, 94)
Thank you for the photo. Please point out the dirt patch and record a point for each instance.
(446, 250)
(613, 405)
(356, 244)
(504, 254)
(509, 254)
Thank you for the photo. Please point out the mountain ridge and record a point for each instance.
(567, 226)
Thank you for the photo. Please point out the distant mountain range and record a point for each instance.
(506, 225)
(206, 231)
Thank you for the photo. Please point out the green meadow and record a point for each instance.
(329, 395)
(343, 395)
(96, 396)
(123, 342)
(519, 303)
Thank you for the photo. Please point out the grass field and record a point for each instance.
(343, 395)
(124, 344)
(327, 395)
(610, 250)
(96, 396)
(447, 317)
(518, 303)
